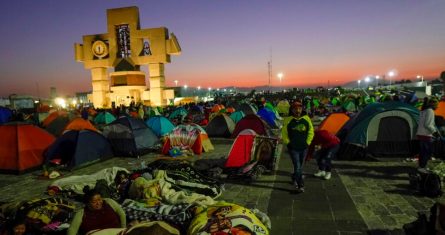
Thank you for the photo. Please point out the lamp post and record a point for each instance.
(176, 82)
(420, 77)
(280, 77)
(391, 74)
(358, 83)
(377, 81)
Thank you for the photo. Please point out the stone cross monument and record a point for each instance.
(124, 49)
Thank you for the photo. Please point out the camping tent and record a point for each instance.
(78, 124)
(381, 129)
(440, 111)
(236, 116)
(179, 112)
(241, 150)
(283, 107)
(160, 125)
(130, 137)
(220, 126)
(247, 108)
(253, 122)
(56, 122)
(334, 122)
(22, 147)
(5, 115)
(268, 116)
(75, 148)
(188, 137)
(104, 118)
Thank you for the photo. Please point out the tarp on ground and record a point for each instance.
(160, 125)
(75, 148)
(130, 137)
(220, 126)
(22, 147)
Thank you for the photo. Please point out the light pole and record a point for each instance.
(280, 77)
(176, 82)
(377, 81)
(358, 83)
(420, 77)
(391, 74)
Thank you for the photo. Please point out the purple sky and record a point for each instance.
(228, 42)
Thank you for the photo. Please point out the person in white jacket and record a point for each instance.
(425, 131)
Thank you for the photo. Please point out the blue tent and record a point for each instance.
(268, 116)
(5, 115)
(76, 148)
(160, 125)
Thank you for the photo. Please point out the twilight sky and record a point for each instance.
(229, 42)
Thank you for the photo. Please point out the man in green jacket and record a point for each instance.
(297, 133)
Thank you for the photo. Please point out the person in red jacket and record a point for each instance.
(329, 145)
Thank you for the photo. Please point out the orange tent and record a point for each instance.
(22, 147)
(79, 124)
(333, 122)
(440, 111)
(53, 116)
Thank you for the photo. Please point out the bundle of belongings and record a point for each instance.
(167, 196)
(43, 215)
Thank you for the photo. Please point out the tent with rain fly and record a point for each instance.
(283, 107)
(56, 122)
(190, 137)
(104, 118)
(5, 115)
(130, 137)
(440, 111)
(160, 125)
(349, 106)
(179, 112)
(22, 147)
(334, 122)
(253, 122)
(79, 147)
(237, 116)
(78, 124)
(268, 116)
(382, 130)
(247, 108)
(220, 126)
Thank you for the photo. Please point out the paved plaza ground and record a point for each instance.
(361, 198)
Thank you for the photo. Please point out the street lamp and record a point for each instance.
(176, 82)
(420, 77)
(185, 86)
(280, 76)
(377, 80)
(358, 83)
(391, 74)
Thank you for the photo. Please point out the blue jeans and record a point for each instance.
(426, 150)
(298, 157)
(324, 158)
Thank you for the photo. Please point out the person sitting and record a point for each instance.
(99, 213)
(15, 227)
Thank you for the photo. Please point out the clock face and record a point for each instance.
(99, 49)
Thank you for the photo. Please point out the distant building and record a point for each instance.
(52, 93)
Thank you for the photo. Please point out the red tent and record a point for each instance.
(22, 147)
(241, 151)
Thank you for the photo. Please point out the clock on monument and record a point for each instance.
(99, 49)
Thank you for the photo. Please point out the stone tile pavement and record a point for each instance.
(362, 197)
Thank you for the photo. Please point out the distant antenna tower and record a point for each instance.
(269, 67)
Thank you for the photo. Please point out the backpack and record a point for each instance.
(430, 184)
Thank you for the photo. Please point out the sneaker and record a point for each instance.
(327, 176)
(423, 170)
(300, 190)
(320, 174)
